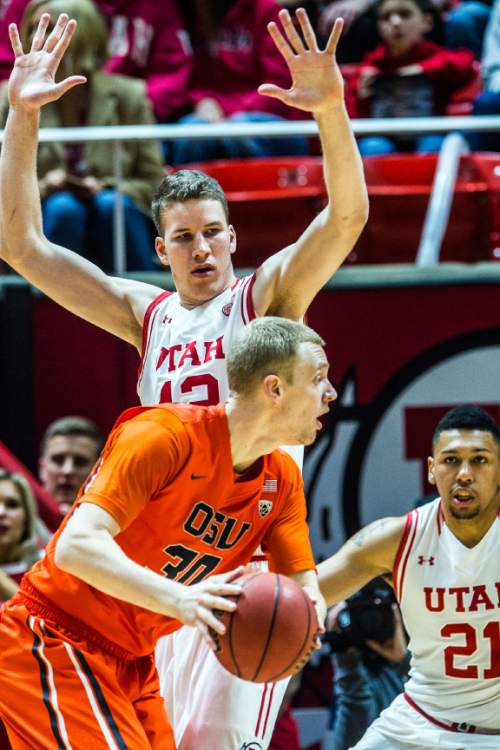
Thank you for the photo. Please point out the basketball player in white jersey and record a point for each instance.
(184, 337)
(444, 558)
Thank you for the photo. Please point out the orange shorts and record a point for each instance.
(57, 691)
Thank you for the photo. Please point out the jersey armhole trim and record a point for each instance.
(146, 327)
(247, 308)
(403, 553)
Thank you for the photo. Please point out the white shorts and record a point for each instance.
(400, 727)
(207, 706)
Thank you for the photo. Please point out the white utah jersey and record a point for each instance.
(184, 350)
(450, 601)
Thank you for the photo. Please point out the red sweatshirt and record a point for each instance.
(146, 41)
(243, 57)
(446, 70)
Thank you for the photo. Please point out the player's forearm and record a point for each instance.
(339, 576)
(347, 209)
(99, 561)
(19, 195)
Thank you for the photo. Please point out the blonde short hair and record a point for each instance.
(89, 46)
(266, 346)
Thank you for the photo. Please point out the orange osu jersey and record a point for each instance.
(166, 476)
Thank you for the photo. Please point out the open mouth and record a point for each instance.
(203, 271)
(463, 497)
(4, 528)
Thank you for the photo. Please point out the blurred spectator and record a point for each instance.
(145, 41)
(465, 26)
(69, 449)
(22, 533)
(369, 672)
(359, 35)
(407, 75)
(76, 180)
(232, 54)
(488, 103)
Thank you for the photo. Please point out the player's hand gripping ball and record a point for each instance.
(272, 632)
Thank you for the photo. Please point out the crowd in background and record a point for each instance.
(201, 61)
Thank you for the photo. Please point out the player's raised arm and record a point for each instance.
(66, 277)
(288, 281)
(369, 553)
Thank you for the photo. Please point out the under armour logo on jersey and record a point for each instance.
(270, 485)
(166, 319)
(227, 308)
(265, 507)
(422, 560)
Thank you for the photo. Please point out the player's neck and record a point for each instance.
(251, 433)
(470, 531)
(190, 298)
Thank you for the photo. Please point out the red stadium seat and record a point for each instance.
(399, 187)
(271, 201)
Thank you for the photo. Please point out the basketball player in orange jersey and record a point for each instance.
(184, 337)
(444, 561)
(175, 496)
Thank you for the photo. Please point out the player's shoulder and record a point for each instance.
(143, 426)
(284, 469)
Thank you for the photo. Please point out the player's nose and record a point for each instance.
(330, 393)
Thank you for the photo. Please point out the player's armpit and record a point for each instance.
(369, 553)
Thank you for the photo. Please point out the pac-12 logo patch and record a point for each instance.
(227, 308)
(251, 746)
(265, 507)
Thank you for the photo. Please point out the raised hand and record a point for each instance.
(32, 82)
(317, 83)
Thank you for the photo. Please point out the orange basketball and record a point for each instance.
(272, 632)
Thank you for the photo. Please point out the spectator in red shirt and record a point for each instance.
(232, 53)
(407, 75)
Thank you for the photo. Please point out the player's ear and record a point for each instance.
(430, 470)
(161, 251)
(272, 387)
(232, 238)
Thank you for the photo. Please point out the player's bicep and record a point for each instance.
(89, 518)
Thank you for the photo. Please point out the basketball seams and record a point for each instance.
(277, 592)
(306, 637)
(229, 633)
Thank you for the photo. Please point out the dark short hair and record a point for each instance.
(467, 417)
(185, 185)
(424, 5)
(73, 427)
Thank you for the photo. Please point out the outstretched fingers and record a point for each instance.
(57, 32)
(39, 35)
(307, 29)
(333, 39)
(15, 41)
(291, 33)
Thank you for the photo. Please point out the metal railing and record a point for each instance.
(439, 203)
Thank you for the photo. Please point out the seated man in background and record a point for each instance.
(145, 40)
(76, 180)
(408, 75)
(70, 447)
